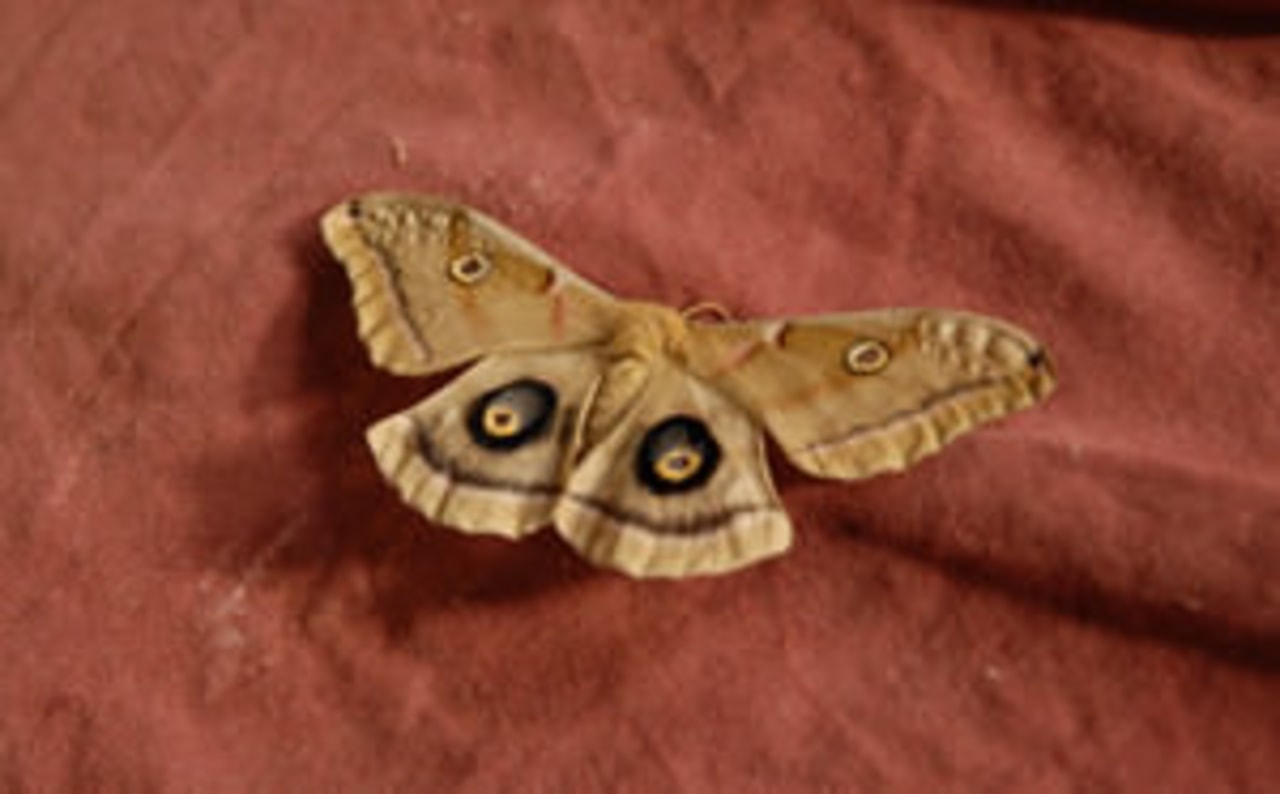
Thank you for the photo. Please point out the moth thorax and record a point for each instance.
(646, 331)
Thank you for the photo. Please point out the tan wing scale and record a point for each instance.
(433, 456)
(853, 395)
(436, 284)
(731, 519)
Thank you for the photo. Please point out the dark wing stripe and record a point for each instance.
(699, 525)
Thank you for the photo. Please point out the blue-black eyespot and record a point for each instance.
(677, 455)
(510, 416)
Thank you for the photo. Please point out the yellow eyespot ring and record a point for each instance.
(678, 464)
(866, 357)
(470, 268)
(499, 421)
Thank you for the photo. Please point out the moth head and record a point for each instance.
(510, 416)
(677, 455)
(866, 356)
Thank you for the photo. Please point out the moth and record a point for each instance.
(638, 431)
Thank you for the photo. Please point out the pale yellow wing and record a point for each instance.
(853, 395)
(436, 284)
(679, 486)
(490, 452)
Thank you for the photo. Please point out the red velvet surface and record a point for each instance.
(204, 586)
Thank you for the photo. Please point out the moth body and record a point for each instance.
(636, 432)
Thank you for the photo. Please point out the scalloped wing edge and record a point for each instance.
(904, 440)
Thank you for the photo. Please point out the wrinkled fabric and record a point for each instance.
(204, 585)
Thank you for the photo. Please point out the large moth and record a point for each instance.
(637, 430)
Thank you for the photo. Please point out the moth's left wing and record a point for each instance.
(489, 453)
(436, 284)
(852, 395)
(679, 486)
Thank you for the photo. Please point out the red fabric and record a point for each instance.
(204, 586)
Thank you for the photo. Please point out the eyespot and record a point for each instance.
(470, 268)
(678, 464)
(511, 416)
(677, 455)
(500, 421)
(866, 357)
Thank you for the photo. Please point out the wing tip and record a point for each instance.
(394, 342)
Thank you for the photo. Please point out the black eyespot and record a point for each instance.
(511, 416)
(677, 455)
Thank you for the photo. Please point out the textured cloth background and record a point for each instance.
(204, 586)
